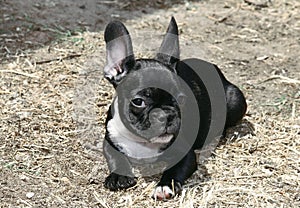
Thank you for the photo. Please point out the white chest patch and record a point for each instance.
(130, 144)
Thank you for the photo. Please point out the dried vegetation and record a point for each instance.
(53, 102)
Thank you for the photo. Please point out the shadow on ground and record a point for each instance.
(31, 24)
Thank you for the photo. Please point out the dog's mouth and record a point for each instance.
(162, 139)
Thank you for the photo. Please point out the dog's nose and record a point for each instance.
(161, 118)
(158, 121)
(158, 116)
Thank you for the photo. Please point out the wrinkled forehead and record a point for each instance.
(150, 79)
(153, 93)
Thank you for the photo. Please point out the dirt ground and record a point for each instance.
(53, 100)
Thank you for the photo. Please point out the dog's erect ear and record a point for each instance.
(169, 52)
(119, 52)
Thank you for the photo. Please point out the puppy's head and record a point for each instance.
(148, 93)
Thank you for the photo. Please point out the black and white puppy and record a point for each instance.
(154, 108)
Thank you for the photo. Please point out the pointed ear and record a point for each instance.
(169, 52)
(119, 52)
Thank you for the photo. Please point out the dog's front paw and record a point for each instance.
(167, 191)
(116, 182)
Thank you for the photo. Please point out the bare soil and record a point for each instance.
(53, 100)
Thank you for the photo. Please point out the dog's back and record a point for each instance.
(235, 101)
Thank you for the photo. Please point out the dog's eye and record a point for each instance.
(138, 102)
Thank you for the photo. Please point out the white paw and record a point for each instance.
(162, 193)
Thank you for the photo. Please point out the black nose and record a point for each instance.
(158, 116)
(161, 118)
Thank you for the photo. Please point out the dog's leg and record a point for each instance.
(173, 178)
(121, 176)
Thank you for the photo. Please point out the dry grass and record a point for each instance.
(53, 103)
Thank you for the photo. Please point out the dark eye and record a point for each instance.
(138, 102)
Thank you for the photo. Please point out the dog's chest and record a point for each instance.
(130, 144)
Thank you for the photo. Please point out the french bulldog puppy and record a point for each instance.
(137, 108)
